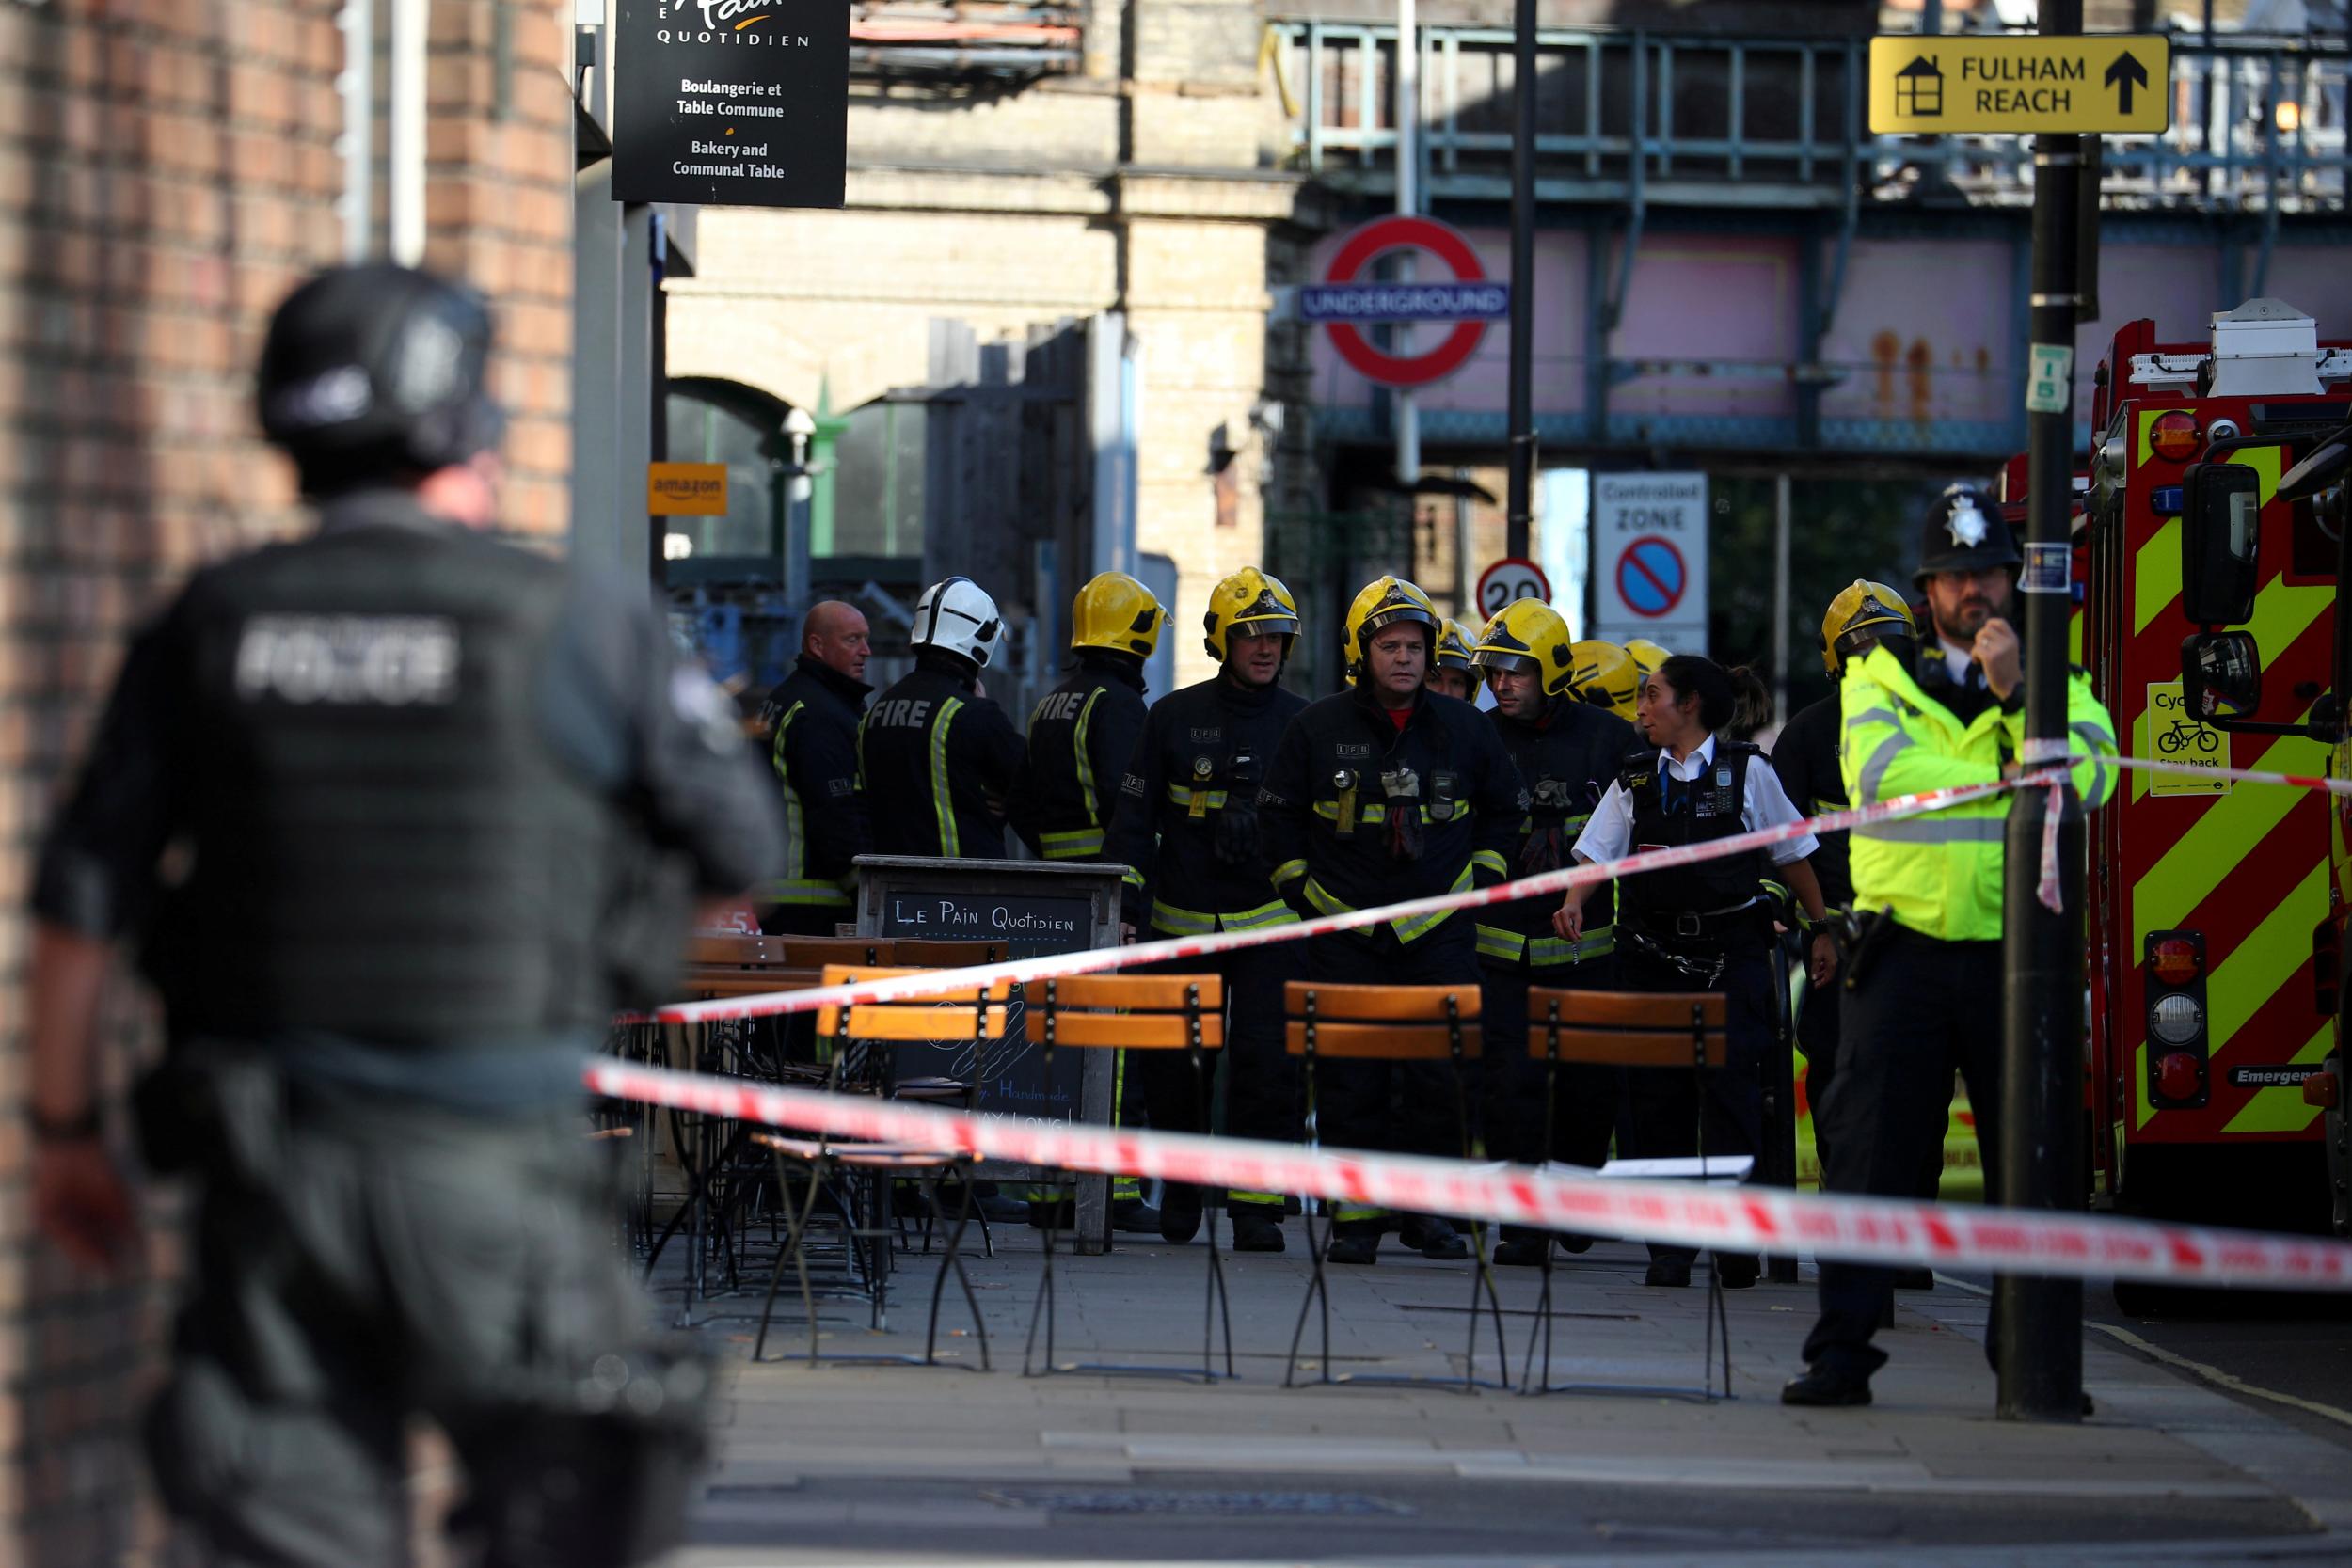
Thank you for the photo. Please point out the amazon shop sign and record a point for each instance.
(731, 103)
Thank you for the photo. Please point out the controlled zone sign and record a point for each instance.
(1508, 581)
(1346, 300)
(1650, 559)
(2021, 84)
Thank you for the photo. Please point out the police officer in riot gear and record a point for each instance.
(1704, 927)
(1082, 733)
(817, 709)
(1379, 794)
(1566, 753)
(1860, 618)
(1187, 829)
(938, 757)
(1967, 574)
(414, 781)
(1451, 671)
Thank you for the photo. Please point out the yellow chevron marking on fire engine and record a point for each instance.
(2156, 575)
(2268, 957)
(2280, 1108)
(2156, 565)
(2233, 825)
(2247, 979)
(2281, 615)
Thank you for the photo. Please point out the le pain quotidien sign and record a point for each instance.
(731, 103)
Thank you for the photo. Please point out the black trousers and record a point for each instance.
(1821, 1032)
(359, 1262)
(1585, 1099)
(1394, 1107)
(1924, 1010)
(1666, 1113)
(1263, 1097)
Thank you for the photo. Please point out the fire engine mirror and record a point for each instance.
(2220, 535)
(2221, 673)
(2327, 464)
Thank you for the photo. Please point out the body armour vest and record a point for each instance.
(1672, 813)
(386, 848)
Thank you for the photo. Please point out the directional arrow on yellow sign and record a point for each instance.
(2020, 85)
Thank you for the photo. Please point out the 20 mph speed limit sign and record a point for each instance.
(1511, 579)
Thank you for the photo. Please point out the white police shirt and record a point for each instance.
(1763, 804)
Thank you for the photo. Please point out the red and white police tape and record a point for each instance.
(1096, 961)
(1735, 1219)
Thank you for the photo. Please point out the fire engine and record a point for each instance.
(2214, 918)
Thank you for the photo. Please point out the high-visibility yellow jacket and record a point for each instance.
(1941, 874)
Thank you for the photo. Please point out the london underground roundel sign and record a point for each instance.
(1345, 301)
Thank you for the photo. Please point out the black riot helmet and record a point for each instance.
(377, 372)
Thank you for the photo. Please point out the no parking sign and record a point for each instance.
(1650, 559)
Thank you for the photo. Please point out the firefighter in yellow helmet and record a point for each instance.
(1187, 829)
(1806, 756)
(1647, 656)
(1929, 954)
(1603, 673)
(1387, 792)
(1451, 671)
(1081, 735)
(1567, 753)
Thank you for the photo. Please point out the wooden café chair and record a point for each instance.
(1635, 1029)
(1390, 1023)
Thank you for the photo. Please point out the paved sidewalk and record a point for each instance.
(871, 1464)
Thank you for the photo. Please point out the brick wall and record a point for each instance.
(168, 170)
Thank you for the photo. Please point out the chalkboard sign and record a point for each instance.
(1013, 1072)
(1033, 908)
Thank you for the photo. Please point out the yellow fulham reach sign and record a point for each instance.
(2020, 83)
(686, 489)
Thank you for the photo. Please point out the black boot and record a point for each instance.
(1179, 1211)
(1432, 1238)
(1257, 1226)
(1356, 1242)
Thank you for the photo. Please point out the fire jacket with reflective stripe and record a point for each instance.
(815, 759)
(1941, 874)
(1187, 827)
(938, 760)
(1566, 759)
(1081, 735)
(1806, 757)
(1349, 793)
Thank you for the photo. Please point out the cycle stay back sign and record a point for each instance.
(2170, 733)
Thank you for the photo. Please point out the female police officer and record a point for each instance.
(1704, 927)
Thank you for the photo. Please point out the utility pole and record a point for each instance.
(1408, 204)
(1521, 493)
(2038, 1322)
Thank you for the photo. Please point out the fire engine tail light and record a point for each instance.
(2176, 1019)
(2179, 1049)
(2175, 437)
(2173, 960)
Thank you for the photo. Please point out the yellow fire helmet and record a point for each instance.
(1454, 647)
(1253, 604)
(1115, 612)
(1646, 654)
(1386, 603)
(1527, 634)
(1863, 607)
(1602, 674)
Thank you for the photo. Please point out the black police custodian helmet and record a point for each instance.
(1963, 532)
(373, 371)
